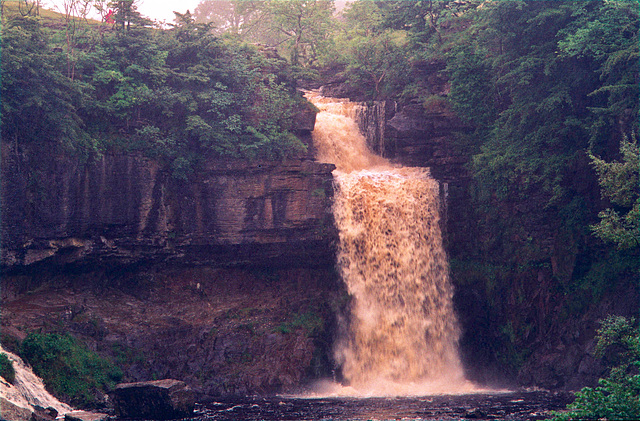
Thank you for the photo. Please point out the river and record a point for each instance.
(525, 405)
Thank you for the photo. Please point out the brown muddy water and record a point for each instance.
(526, 405)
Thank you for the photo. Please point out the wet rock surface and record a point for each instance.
(85, 416)
(161, 399)
(222, 331)
(500, 406)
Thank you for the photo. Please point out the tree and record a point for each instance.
(126, 13)
(372, 58)
(423, 19)
(303, 25)
(179, 95)
(619, 183)
(604, 35)
(376, 61)
(71, 10)
(39, 103)
(29, 7)
(363, 18)
(236, 17)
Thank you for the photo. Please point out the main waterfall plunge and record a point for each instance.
(402, 333)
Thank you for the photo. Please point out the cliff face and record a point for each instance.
(124, 209)
(223, 331)
(226, 281)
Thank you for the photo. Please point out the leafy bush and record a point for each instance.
(6, 368)
(618, 396)
(69, 370)
(619, 183)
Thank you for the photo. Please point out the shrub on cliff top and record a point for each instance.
(69, 370)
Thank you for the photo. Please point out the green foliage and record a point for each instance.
(126, 14)
(373, 57)
(38, 101)
(69, 370)
(619, 335)
(600, 277)
(619, 182)
(605, 35)
(298, 29)
(304, 25)
(176, 95)
(233, 17)
(7, 371)
(509, 81)
(618, 396)
(309, 322)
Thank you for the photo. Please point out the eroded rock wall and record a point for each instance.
(123, 209)
(223, 331)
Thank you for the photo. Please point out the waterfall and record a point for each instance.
(402, 333)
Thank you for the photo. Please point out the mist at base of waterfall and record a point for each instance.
(387, 388)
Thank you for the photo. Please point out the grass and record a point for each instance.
(69, 369)
(49, 17)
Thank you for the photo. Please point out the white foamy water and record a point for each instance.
(402, 335)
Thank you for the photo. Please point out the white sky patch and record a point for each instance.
(160, 10)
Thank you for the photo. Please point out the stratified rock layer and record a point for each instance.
(124, 209)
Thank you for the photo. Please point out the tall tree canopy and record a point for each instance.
(179, 94)
(299, 29)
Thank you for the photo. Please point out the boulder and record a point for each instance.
(304, 120)
(159, 400)
(85, 416)
(44, 414)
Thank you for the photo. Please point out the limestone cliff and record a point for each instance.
(123, 209)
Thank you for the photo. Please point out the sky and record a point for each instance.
(161, 10)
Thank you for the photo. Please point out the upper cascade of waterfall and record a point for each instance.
(337, 137)
(401, 336)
